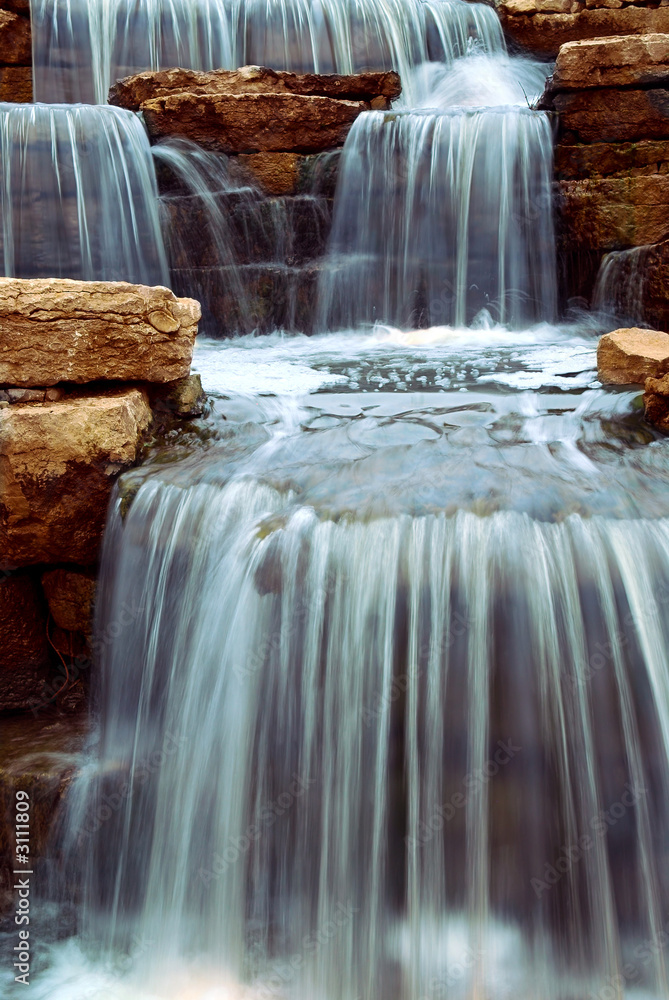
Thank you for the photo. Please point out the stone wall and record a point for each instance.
(540, 27)
(251, 253)
(82, 367)
(15, 52)
(610, 97)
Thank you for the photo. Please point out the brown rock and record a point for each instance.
(70, 595)
(57, 463)
(251, 123)
(275, 173)
(15, 39)
(612, 115)
(183, 398)
(612, 213)
(544, 33)
(627, 357)
(133, 91)
(656, 402)
(24, 652)
(16, 84)
(631, 60)
(602, 159)
(56, 330)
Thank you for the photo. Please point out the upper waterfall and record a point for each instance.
(82, 46)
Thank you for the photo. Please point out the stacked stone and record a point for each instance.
(611, 96)
(81, 365)
(15, 52)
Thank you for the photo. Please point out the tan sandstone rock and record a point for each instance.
(544, 32)
(612, 115)
(133, 91)
(252, 123)
(70, 595)
(656, 402)
(627, 357)
(630, 60)
(57, 464)
(612, 213)
(56, 330)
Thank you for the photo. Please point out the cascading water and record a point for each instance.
(385, 709)
(82, 46)
(79, 195)
(619, 288)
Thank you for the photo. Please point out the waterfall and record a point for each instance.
(439, 215)
(79, 195)
(408, 756)
(619, 289)
(82, 46)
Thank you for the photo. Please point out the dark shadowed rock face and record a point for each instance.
(133, 91)
(24, 652)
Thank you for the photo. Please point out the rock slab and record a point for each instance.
(56, 330)
(57, 465)
(631, 356)
(619, 61)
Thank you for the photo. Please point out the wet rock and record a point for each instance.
(24, 652)
(274, 173)
(57, 464)
(15, 39)
(599, 159)
(539, 30)
(70, 595)
(251, 123)
(613, 115)
(38, 756)
(133, 91)
(16, 84)
(183, 398)
(627, 357)
(604, 214)
(633, 60)
(656, 403)
(56, 330)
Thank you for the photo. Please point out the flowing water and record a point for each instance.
(384, 705)
(78, 195)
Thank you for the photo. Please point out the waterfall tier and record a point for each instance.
(438, 216)
(82, 46)
(79, 195)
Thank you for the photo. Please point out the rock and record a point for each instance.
(183, 398)
(57, 464)
(627, 357)
(274, 173)
(633, 60)
(252, 123)
(15, 39)
(26, 395)
(612, 213)
(612, 115)
(70, 595)
(543, 33)
(56, 330)
(133, 91)
(24, 650)
(656, 402)
(603, 159)
(16, 84)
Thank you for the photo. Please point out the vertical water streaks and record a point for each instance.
(82, 46)
(439, 215)
(391, 736)
(78, 195)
